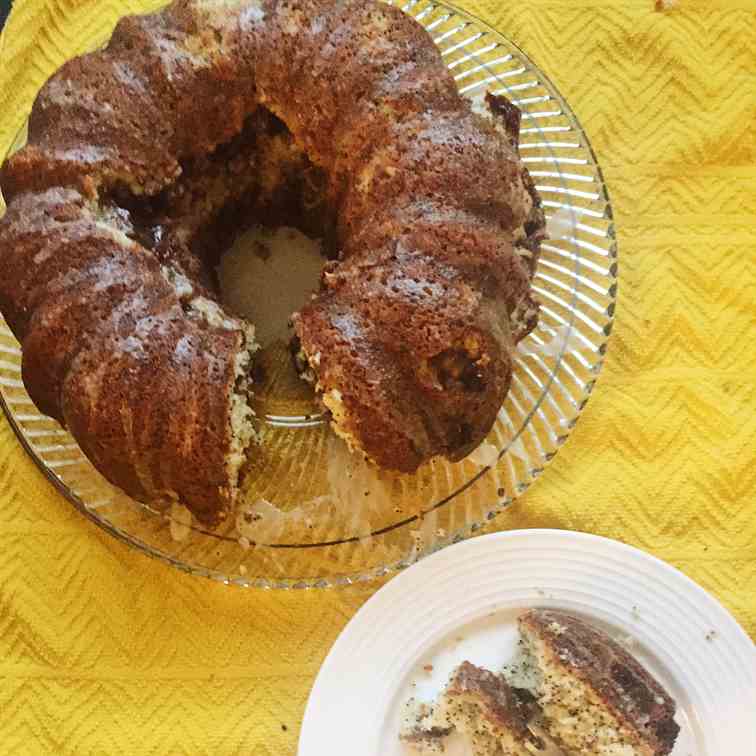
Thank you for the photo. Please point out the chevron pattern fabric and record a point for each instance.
(103, 651)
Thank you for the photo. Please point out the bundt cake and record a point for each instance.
(573, 687)
(145, 158)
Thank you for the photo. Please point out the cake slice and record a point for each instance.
(572, 690)
(595, 698)
(482, 706)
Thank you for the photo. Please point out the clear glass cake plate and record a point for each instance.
(313, 515)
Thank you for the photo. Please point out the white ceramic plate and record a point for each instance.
(462, 603)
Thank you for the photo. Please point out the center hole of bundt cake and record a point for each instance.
(245, 225)
(267, 274)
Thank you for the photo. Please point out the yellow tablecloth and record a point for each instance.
(103, 650)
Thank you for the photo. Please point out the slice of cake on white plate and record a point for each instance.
(596, 699)
(483, 707)
(572, 686)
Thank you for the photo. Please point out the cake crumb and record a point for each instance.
(180, 522)
(260, 249)
(664, 5)
(428, 668)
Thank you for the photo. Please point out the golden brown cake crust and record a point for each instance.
(110, 352)
(620, 681)
(438, 230)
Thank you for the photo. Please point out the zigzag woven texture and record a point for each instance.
(105, 651)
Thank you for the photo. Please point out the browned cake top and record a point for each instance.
(620, 681)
